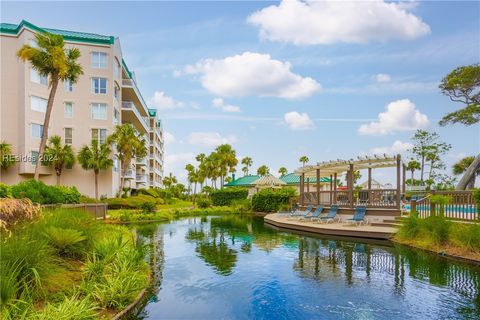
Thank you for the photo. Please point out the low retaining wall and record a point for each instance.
(98, 210)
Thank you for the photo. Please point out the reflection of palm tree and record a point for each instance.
(218, 255)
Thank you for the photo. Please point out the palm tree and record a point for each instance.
(282, 171)
(129, 144)
(169, 181)
(58, 156)
(227, 160)
(304, 160)
(6, 159)
(462, 165)
(53, 60)
(95, 157)
(247, 162)
(412, 166)
(263, 170)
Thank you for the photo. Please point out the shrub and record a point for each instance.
(70, 194)
(476, 196)
(224, 197)
(204, 202)
(65, 240)
(4, 191)
(242, 206)
(149, 192)
(135, 202)
(439, 228)
(148, 207)
(72, 307)
(411, 226)
(467, 235)
(38, 192)
(270, 200)
(13, 211)
(85, 199)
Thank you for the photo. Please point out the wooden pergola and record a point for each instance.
(372, 198)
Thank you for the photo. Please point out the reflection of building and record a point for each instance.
(104, 96)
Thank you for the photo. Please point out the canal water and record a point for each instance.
(240, 268)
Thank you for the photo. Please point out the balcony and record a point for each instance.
(132, 92)
(141, 178)
(129, 174)
(141, 162)
(133, 116)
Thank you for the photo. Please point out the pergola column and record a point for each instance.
(369, 185)
(334, 188)
(331, 189)
(302, 190)
(318, 186)
(350, 185)
(398, 180)
(404, 178)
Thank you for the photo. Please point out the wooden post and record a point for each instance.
(331, 190)
(370, 194)
(302, 185)
(335, 188)
(350, 188)
(308, 184)
(318, 186)
(404, 178)
(398, 181)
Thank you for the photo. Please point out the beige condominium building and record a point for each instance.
(104, 96)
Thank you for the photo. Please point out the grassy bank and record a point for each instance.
(64, 265)
(442, 236)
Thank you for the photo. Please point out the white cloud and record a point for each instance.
(326, 22)
(220, 104)
(401, 115)
(396, 148)
(168, 137)
(176, 162)
(211, 139)
(250, 74)
(382, 77)
(298, 121)
(163, 102)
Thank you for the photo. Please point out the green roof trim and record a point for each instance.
(126, 69)
(152, 112)
(292, 178)
(289, 179)
(74, 36)
(245, 181)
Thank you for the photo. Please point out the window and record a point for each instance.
(68, 86)
(99, 85)
(99, 60)
(68, 110)
(117, 68)
(68, 135)
(99, 111)
(115, 164)
(99, 135)
(38, 104)
(116, 116)
(37, 130)
(37, 78)
(33, 157)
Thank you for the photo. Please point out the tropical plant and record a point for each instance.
(50, 58)
(227, 161)
(64, 240)
(304, 160)
(13, 211)
(74, 308)
(263, 170)
(462, 165)
(247, 162)
(129, 144)
(95, 157)
(170, 180)
(6, 159)
(282, 171)
(412, 166)
(58, 156)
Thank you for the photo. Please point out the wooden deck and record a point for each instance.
(337, 228)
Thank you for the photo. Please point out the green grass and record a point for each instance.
(66, 265)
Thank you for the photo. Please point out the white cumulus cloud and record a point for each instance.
(250, 74)
(396, 148)
(220, 104)
(163, 102)
(211, 139)
(168, 137)
(298, 121)
(325, 22)
(176, 162)
(400, 115)
(382, 77)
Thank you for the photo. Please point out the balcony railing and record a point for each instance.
(141, 162)
(129, 105)
(374, 198)
(141, 178)
(129, 174)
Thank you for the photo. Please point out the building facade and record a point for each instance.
(104, 96)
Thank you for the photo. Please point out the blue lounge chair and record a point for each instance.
(298, 213)
(315, 214)
(331, 215)
(358, 216)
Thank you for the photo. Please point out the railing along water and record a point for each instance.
(373, 198)
(462, 206)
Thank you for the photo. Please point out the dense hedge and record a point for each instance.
(225, 197)
(271, 200)
(134, 202)
(41, 193)
(476, 196)
(4, 190)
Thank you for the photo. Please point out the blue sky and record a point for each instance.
(282, 80)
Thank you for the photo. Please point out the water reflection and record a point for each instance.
(251, 270)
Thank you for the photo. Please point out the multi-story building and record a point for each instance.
(104, 96)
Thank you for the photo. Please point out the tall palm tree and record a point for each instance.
(304, 160)
(227, 160)
(413, 165)
(53, 60)
(462, 165)
(247, 162)
(95, 157)
(170, 180)
(58, 156)
(282, 171)
(6, 159)
(263, 170)
(129, 144)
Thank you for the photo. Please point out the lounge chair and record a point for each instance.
(358, 216)
(315, 214)
(298, 213)
(331, 215)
